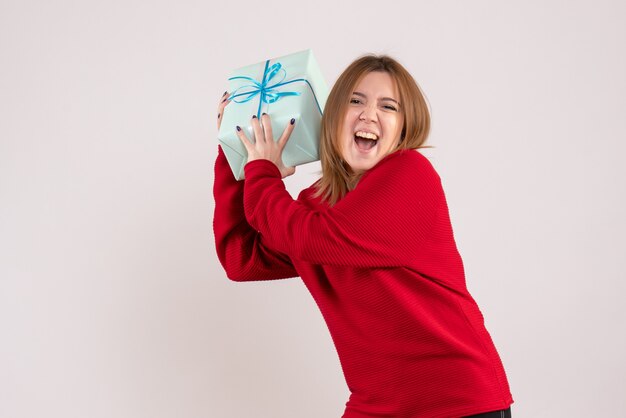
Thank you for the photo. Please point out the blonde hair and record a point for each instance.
(337, 177)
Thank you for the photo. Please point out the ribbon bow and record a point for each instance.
(269, 93)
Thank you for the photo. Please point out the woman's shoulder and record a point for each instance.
(404, 175)
(408, 156)
(407, 167)
(402, 163)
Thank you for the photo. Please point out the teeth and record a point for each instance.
(367, 135)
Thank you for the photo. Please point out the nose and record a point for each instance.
(369, 114)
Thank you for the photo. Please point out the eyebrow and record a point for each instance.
(356, 93)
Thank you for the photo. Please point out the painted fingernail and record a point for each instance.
(224, 100)
(225, 93)
(253, 116)
(238, 128)
(263, 114)
(218, 115)
(293, 120)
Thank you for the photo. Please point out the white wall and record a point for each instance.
(112, 300)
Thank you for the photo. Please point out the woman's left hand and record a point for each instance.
(264, 146)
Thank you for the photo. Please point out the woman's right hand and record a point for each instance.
(284, 171)
(220, 109)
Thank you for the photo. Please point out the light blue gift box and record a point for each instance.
(287, 87)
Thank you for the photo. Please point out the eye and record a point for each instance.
(390, 107)
(355, 101)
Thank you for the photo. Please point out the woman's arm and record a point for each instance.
(386, 221)
(243, 252)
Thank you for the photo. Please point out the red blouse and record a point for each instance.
(383, 266)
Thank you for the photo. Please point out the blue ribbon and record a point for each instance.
(269, 93)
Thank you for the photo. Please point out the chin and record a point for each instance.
(362, 167)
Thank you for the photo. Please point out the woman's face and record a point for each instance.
(373, 122)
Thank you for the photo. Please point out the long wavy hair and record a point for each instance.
(337, 177)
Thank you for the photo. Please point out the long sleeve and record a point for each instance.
(384, 222)
(243, 252)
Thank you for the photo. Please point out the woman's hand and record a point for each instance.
(220, 108)
(264, 146)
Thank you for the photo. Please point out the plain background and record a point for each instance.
(112, 299)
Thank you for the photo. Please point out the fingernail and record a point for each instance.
(293, 120)
(253, 116)
(224, 100)
(225, 93)
(263, 114)
(238, 128)
(218, 115)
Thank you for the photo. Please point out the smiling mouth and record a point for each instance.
(365, 144)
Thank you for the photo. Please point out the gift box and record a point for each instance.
(291, 86)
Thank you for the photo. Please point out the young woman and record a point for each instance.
(373, 242)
